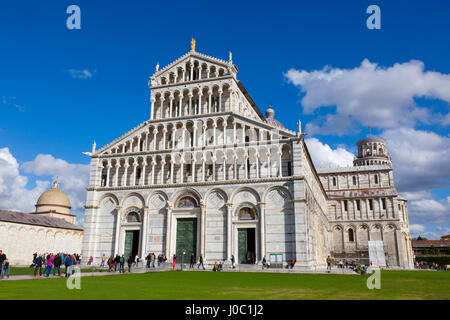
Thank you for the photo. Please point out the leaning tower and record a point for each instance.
(372, 152)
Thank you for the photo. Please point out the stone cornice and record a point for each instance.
(197, 184)
(183, 84)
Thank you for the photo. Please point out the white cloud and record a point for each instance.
(14, 195)
(81, 74)
(416, 228)
(427, 211)
(73, 177)
(421, 159)
(323, 156)
(369, 94)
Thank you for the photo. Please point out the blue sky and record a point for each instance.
(62, 89)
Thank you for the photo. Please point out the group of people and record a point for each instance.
(54, 262)
(423, 265)
(4, 265)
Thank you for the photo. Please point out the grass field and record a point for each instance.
(19, 271)
(233, 285)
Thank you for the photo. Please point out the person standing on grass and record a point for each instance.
(38, 265)
(192, 260)
(329, 263)
(200, 259)
(49, 266)
(57, 264)
(68, 264)
(102, 264)
(122, 264)
(174, 261)
(2, 259)
(5, 269)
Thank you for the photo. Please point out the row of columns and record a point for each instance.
(368, 213)
(184, 178)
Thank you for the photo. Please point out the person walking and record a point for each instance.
(5, 269)
(174, 261)
(148, 258)
(264, 262)
(130, 263)
(233, 261)
(57, 264)
(38, 265)
(192, 260)
(200, 260)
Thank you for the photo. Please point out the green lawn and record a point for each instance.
(233, 285)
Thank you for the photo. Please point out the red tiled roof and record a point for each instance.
(429, 243)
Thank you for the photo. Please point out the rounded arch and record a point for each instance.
(111, 196)
(186, 192)
(284, 189)
(241, 212)
(216, 198)
(242, 195)
(132, 199)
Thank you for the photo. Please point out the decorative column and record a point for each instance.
(163, 162)
(168, 229)
(144, 233)
(139, 144)
(171, 170)
(213, 159)
(152, 108)
(127, 165)
(243, 132)
(144, 164)
(182, 170)
(153, 172)
(214, 133)
(262, 227)
(246, 165)
(202, 228)
(204, 134)
(108, 167)
(179, 104)
(190, 104)
(280, 174)
(193, 170)
(269, 166)
(229, 212)
(200, 111)
(117, 234)
(194, 144)
(155, 133)
(164, 138)
(116, 177)
(234, 133)
(135, 164)
(171, 105)
(162, 106)
(220, 100)
(183, 131)
(235, 167)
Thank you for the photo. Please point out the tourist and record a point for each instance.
(122, 264)
(38, 265)
(2, 259)
(192, 260)
(68, 264)
(109, 262)
(102, 263)
(200, 259)
(174, 261)
(57, 264)
(49, 266)
(91, 259)
(328, 263)
(117, 263)
(148, 258)
(264, 262)
(5, 269)
(233, 261)
(130, 263)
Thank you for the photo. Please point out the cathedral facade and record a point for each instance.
(209, 174)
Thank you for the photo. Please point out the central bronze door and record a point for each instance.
(246, 245)
(186, 239)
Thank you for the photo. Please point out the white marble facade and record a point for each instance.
(208, 153)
